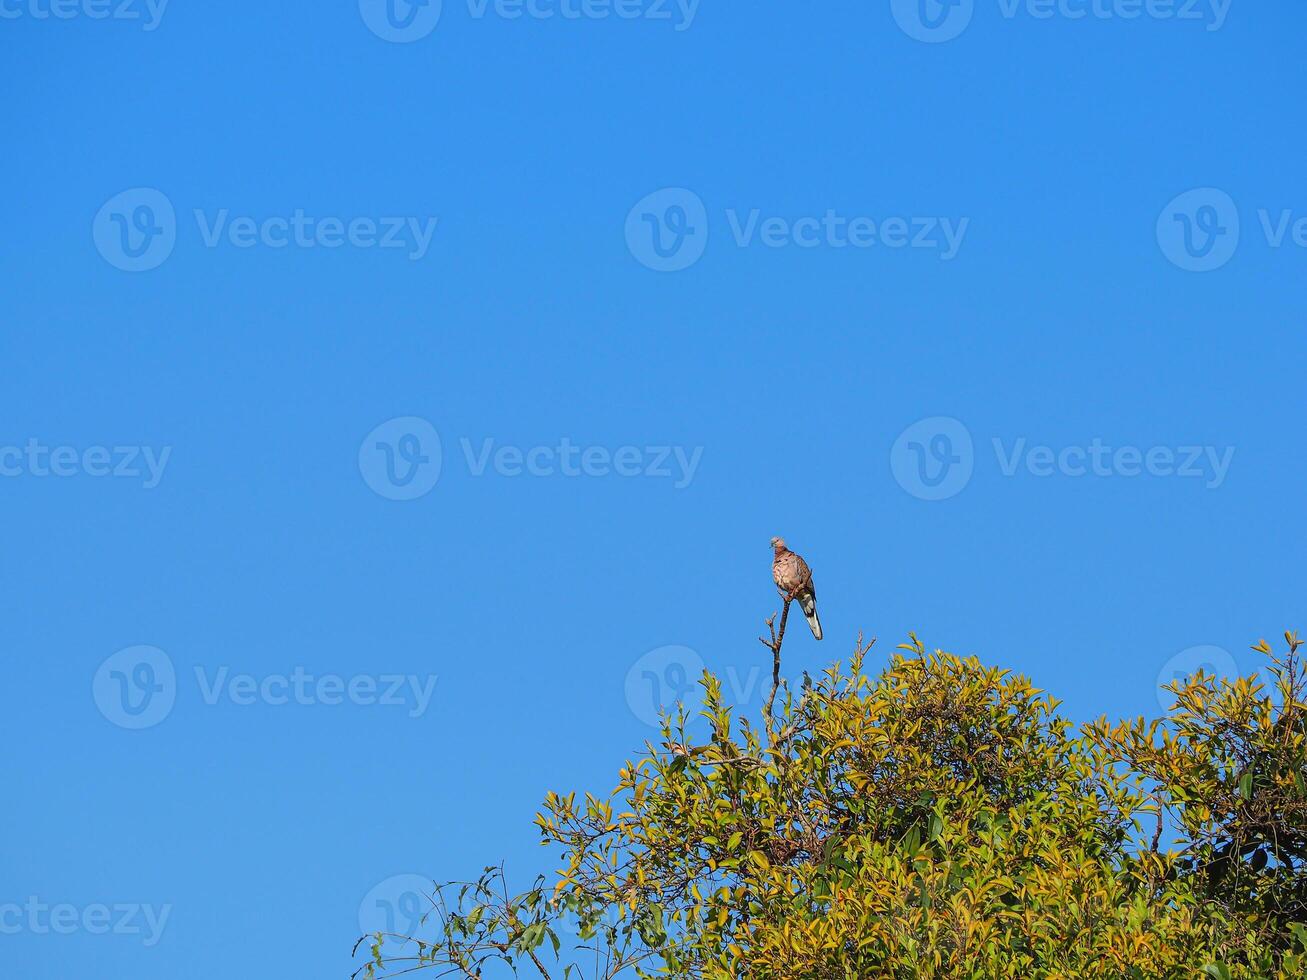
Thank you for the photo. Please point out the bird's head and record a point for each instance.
(778, 544)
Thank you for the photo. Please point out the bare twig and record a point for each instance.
(777, 638)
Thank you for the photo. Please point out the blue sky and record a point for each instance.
(388, 400)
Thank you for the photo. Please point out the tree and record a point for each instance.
(937, 820)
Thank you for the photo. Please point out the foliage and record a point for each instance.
(938, 820)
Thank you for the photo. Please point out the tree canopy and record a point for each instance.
(938, 819)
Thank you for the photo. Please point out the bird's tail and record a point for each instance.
(808, 603)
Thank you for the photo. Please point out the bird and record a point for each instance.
(794, 580)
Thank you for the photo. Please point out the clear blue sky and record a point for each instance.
(261, 380)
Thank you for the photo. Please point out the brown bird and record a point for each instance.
(794, 580)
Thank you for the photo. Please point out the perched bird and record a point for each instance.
(794, 580)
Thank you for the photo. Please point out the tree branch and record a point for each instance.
(777, 638)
